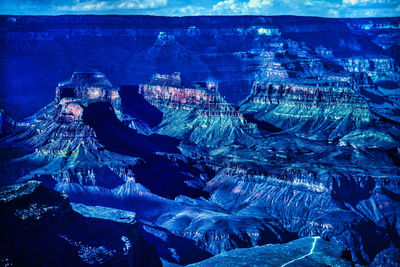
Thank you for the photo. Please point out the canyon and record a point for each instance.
(202, 141)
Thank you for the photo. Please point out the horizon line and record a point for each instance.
(227, 15)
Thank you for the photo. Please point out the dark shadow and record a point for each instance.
(184, 249)
(347, 190)
(56, 237)
(168, 179)
(394, 155)
(392, 195)
(262, 125)
(118, 138)
(137, 107)
(373, 239)
(67, 92)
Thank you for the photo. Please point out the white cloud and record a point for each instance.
(329, 8)
(365, 2)
(333, 13)
(258, 3)
(234, 7)
(227, 7)
(93, 5)
(364, 13)
(188, 11)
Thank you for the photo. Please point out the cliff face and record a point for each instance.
(314, 202)
(198, 113)
(288, 104)
(78, 145)
(89, 85)
(168, 90)
(79, 139)
(38, 52)
(295, 166)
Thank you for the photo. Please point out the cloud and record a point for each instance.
(367, 2)
(189, 11)
(370, 12)
(258, 3)
(93, 5)
(323, 8)
(235, 7)
(228, 7)
(333, 13)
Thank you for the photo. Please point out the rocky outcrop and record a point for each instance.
(311, 251)
(198, 114)
(80, 139)
(168, 90)
(308, 105)
(87, 85)
(39, 227)
(295, 174)
(336, 206)
(215, 232)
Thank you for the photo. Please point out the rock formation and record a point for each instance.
(277, 131)
(39, 227)
(310, 104)
(41, 51)
(196, 113)
(314, 251)
(81, 140)
(89, 85)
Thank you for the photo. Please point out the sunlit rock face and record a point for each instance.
(332, 103)
(169, 90)
(70, 111)
(196, 113)
(89, 85)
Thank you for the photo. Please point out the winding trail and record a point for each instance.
(302, 257)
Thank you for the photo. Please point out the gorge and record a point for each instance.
(200, 141)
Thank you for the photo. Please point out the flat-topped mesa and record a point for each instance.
(91, 86)
(169, 91)
(62, 122)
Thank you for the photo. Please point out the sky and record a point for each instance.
(322, 8)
